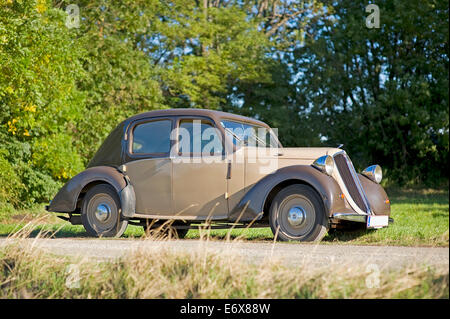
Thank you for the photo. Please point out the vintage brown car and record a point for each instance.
(201, 167)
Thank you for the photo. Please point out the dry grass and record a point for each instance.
(28, 272)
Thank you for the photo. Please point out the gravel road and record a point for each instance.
(254, 252)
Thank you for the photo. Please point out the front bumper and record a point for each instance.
(353, 217)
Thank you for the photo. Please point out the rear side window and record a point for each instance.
(152, 137)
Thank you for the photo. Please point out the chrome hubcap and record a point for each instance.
(102, 212)
(296, 216)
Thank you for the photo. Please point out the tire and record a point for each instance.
(100, 213)
(167, 231)
(297, 213)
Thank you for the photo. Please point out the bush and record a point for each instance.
(11, 184)
(22, 183)
(56, 156)
(39, 187)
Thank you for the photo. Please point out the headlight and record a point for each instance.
(325, 164)
(374, 172)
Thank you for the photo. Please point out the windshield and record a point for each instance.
(245, 134)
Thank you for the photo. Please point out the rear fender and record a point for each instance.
(66, 199)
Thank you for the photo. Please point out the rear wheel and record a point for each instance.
(100, 212)
(297, 213)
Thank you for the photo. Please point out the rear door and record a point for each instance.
(149, 166)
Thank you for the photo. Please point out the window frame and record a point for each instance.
(203, 119)
(131, 138)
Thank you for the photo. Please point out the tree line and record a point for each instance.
(313, 69)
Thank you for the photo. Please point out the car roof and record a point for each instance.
(110, 152)
(215, 115)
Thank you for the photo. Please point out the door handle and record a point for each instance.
(229, 170)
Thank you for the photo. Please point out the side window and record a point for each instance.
(198, 137)
(246, 134)
(235, 130)
(152, 137)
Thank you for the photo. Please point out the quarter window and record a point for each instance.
(152, 137)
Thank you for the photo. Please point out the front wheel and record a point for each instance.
(297, 213)
(100, 212)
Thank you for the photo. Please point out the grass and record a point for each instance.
(421, 219)
(27, 272)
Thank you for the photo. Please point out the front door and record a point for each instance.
(199, 177)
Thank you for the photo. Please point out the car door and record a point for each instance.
(149, 166)
(199, 177)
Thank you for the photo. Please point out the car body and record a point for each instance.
(149, 171)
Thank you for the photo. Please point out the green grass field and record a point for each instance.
(421, 219)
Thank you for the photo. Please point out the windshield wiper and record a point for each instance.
(234, 135)
(257, 138)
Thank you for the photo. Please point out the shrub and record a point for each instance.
(11, 184)
(22, 183)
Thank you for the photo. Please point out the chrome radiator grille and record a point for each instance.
(349, 176)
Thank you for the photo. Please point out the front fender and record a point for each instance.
(65, 200)
(251, 206)
(376, 195)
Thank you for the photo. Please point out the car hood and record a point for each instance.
(306, 153)
(293, 155)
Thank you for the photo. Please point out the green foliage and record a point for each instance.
(39, 65)
(56, 156)
(39, 62)
(383, 92)
(23, 183)
(9, 177)
(120, 81)
(227, 48)
(40, 187)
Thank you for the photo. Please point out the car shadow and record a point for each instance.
(346, 235)
(44, 231)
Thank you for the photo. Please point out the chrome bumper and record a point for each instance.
(353, 217)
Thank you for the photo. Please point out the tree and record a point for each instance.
(38, 97)
(39, 101)
(382, 92)
(120, 79)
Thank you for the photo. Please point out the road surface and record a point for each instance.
(291, 254)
